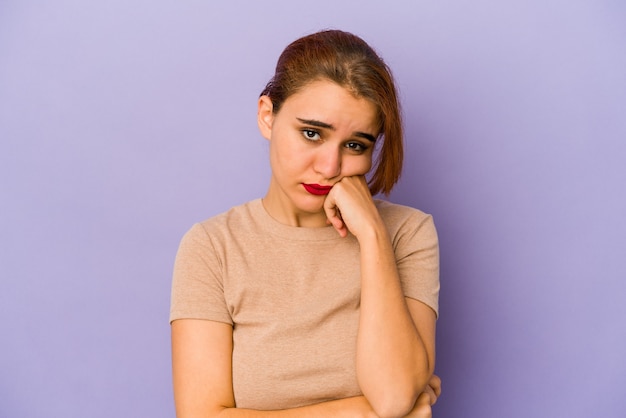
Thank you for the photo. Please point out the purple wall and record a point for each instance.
(122, 123)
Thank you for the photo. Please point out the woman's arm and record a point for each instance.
(395, 344)
(396, 339)
(202, 374)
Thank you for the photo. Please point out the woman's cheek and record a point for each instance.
(362, 166)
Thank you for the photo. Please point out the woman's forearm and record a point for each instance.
(392, 361)
(349, 408)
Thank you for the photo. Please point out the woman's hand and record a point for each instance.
(349, 207)
(434, 389)
(422, 408)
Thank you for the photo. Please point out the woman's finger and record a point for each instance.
(422, 407)
(333, 215)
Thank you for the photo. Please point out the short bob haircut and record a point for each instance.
(350, 62)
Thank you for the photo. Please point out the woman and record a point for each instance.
(316, 300)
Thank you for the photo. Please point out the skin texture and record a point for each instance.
(323, 135)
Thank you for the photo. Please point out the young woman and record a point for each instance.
(316, 300)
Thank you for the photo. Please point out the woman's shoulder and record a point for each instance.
(237, 218)
(239, 213)
(394, 212)
(412, 230)
(402, 220)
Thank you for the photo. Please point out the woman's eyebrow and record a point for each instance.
(325, 125)
(317, 123)
(365, 135)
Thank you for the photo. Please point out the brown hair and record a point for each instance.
(349, 61)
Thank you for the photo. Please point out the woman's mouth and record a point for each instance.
(317, 189)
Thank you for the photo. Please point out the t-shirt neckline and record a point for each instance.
(297, 233)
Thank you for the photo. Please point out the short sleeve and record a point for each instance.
(417, 255)
(197, 285)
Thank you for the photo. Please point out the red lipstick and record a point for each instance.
(317, 189)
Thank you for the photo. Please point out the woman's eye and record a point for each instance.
(311, 134)
(355, 146)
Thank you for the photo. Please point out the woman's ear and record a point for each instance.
(265, 116)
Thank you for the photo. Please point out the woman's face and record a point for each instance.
(320, 135)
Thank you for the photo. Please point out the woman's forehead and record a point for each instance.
(331, 103)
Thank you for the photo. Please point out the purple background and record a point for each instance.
(123, 122)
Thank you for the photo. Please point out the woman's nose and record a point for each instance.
(328, 162)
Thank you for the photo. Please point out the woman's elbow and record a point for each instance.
(399, 400)
(394, 404)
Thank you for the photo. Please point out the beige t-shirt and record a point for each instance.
(292, 295)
